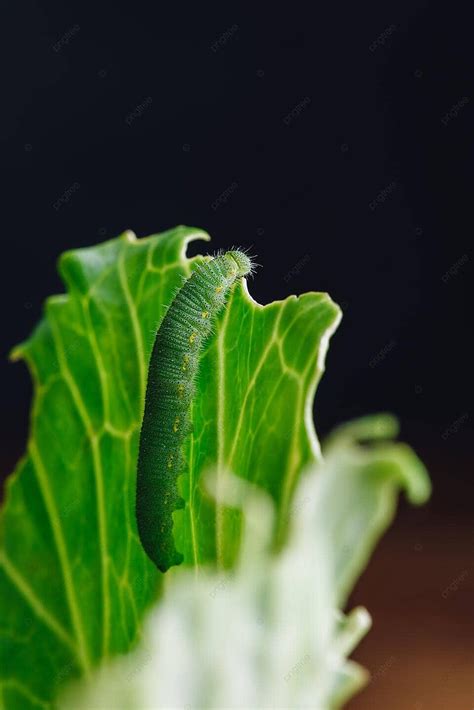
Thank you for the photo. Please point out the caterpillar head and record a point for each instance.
(244, 264)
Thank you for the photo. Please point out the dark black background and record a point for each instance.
(375, 83)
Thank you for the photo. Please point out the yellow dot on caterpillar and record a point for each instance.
(170, 462)
(192, 338)
(219, 289)
(231, 273)
(205, 314)
(185, 363)
(180, 390)
(176, 425)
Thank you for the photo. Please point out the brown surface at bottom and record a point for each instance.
(419, 590)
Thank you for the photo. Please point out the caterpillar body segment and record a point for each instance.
(170, 391)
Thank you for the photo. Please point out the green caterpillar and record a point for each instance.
(170, 390)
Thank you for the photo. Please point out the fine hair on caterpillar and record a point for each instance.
(170, 391)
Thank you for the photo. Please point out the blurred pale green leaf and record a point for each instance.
(271, 634)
